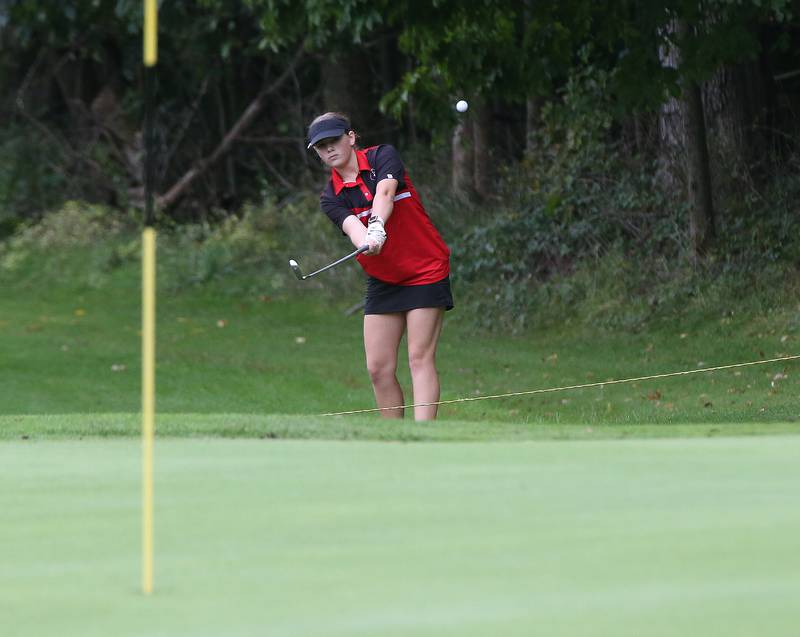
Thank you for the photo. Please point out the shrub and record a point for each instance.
(82, 244)
(29, 181)
(574, 207)
(77, 241)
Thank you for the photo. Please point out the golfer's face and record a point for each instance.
(334, 151)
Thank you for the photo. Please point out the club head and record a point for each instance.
(296, 269)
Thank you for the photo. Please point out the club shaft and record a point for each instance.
(337, 262)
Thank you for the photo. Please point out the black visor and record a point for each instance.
(331, 127)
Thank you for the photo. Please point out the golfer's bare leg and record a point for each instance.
(382, 334)
(424, 326)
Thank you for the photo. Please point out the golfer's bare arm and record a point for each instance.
(382, 205)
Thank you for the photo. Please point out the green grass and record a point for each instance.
(68, 350)
(275, 426)
(655, 508)
(285, 538)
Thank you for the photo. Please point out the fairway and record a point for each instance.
(312, 538)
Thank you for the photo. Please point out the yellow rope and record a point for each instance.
(555, 389)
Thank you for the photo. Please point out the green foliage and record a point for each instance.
(246, 252)
(515, 51)
(583, 236)
(250, 252)
(196, 254)
(28, 182)
(74, 225)
(217, 55)
(59, 246)
(573, 200)
(586, 232)
(81, 22)
(492, 49)
(764, 222)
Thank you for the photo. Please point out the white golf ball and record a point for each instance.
(461, 106)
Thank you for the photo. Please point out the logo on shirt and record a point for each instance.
(372, 174)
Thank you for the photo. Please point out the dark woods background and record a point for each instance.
(663, 129)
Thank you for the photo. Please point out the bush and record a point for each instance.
(574, 206)
(82, 244)
(764, 225)
(251, 251)
(28, 182)
(584, 231)
(78, 241)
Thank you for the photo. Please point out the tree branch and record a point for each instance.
(250, 114)
(185, 125)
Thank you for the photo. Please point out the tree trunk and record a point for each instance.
(684, 150)
(336, 94)
(339, 92)
(229, 192)
(532, 112)
(481, 159)
(411, 114)
(671, 128)
(246, 119)
(737, 102)
(701, 209)
(411, 126)
(637, 134)
(462, 146)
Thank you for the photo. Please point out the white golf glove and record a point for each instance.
(376, 235)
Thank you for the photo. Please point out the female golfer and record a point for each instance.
(371, 199)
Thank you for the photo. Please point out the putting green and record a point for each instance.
(312, 538)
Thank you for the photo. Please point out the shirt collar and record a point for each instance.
(336, 179)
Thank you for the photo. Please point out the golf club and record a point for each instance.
(299, 273)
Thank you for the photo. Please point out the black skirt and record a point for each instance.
(384, 298)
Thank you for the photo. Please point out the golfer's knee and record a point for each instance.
(421, 361)
(382, 373)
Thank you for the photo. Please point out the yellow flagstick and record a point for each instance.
(150, 56)
(148, 401)
(150, 33)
